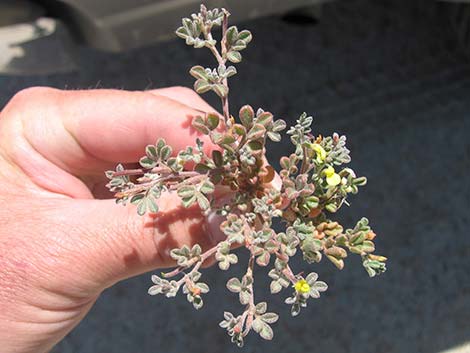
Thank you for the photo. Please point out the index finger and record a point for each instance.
(87, 131)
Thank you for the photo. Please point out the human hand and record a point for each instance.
(61, 241)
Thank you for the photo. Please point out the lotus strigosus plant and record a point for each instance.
(314, 186)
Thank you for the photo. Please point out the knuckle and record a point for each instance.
(183, 90)
(32, 94)
(30, 99)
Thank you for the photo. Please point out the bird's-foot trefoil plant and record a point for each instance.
(314, 185)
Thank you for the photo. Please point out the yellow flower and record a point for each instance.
(332, 178)
(320, 152)
(302, 286)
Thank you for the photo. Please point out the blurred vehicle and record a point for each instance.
(36, 36)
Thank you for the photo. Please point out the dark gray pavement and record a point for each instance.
(390, 76)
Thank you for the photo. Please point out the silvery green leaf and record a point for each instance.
(305, 121)
(231, 35)
(155, 279)
(264, 118)
(263, 259)
(234, 285)
(232, 259)
(320, 286)
(188, 201)
(261, 308)
(210, 43)
(156, 192)
(160, 144)
(274, 136)
(295, 310)
(152, 205)
(182, 32)
(314, 293)
(171, 290)
(234, 56)
(279, 125)
(151, 152)
(147, 163)
(196, 250)
(224, 324)
(246, 36)
(238, 46)
(231, 71)
(270, 318)
(247, 281)
(142, 207)
(212, 121)
(198, 72)
(137, 198)
(244, 297)
(224, 265)
(228, 315)
(256, 132)
(197, 302)
(257, 325)
(290, 300)
(199, 43)
(217, 158)
(246, 116)
(207, 187)
(224, 248)
(266, 332)
(374, 267)
(203, 202)
(311, 278)
(165, 153)
(220, 89)
(203, 287)
(275, 287)
(361, 181)
(202, 86)
(255, 145)
(185, 191)
(154, 290)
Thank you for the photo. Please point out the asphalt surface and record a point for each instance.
(391, 77)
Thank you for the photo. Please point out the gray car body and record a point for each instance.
(117, 25)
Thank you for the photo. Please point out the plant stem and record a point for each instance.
(221, 60)
(198, 261)
(250, 309)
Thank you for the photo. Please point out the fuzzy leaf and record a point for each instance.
(202, 86)
(256, 132)
(246, 36)
(220, 89)
(234, 56)
(217, 158)
(198, 72)
(203, 202)
(270, 318)
(186, 191)
(261, 308)
(207, 187)
(212, 121)
(165, 153)
(234, 285)
(142, 207)
(147, 163)
(266, 332)
(247, 115)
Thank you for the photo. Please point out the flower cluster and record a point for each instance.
(314, 185)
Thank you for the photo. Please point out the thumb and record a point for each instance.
(121, 244)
